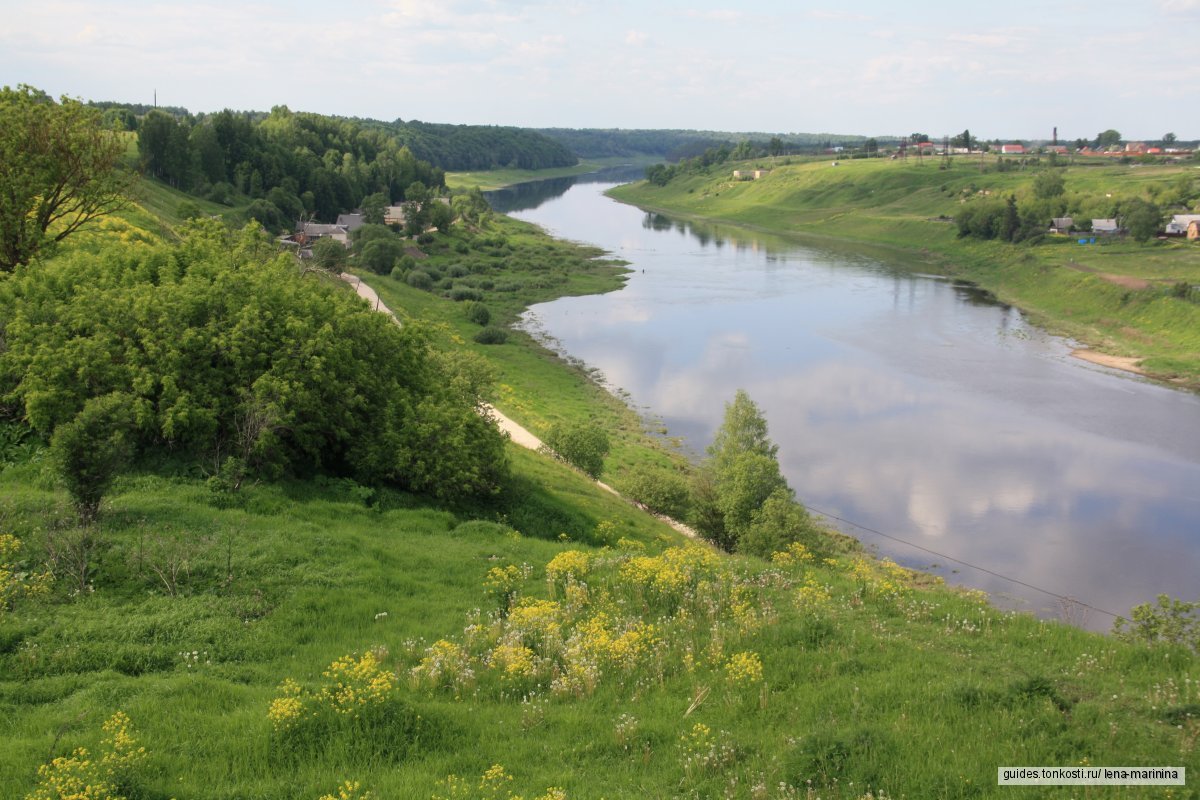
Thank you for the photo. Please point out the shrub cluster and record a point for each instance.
(216, 347)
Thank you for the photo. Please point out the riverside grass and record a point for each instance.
(693, 674)
(874, 681)
(902, 210)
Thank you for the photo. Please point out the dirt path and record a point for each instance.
(1124, 281)
(517, 433)
(368, 294)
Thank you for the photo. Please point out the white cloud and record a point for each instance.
(636, 38)
(838, 16)
(716, 14)
(984, 40)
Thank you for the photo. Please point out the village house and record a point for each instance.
(1012, 149)
(351, 222)
(309, 232)
(1062, 224)
(393, 215)
(1105, 227)
(1180, 223)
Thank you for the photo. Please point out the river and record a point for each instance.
(912, 407)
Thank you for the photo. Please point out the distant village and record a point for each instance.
(1019, 149)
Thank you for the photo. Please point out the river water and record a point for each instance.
(902, 403)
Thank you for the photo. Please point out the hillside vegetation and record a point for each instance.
(1121, 296)
(259, 541)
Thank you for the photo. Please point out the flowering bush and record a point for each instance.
(14, 582)
(349, 790)
(744, 669)
(80, 776)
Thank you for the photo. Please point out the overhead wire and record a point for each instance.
(1061, 597)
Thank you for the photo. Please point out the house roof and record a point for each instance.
(351, 222)
(321, 229)
(1104, 224)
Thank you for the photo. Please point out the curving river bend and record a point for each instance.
(903, 403)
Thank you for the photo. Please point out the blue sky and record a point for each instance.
(1012, 69)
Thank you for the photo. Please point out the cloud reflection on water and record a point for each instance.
(905, 404)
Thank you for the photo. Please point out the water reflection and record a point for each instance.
(529, 195)
(913, 405)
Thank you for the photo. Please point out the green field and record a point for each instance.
(904, 211)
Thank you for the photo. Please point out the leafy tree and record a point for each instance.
(58, 172)
(472, 207)
(1169, 138)
(164, 148)
(741, 473)
(1011, 222)
(364, 234)
(917, 138)
(779, 522)
(380, 255)
(266, 214)
(329, 254)
(963, 139)
(92, 448)
(775, 146)
(441, 216)
(373, 206)
(1108, 138)
(1143, 219)
(1048, 184)
(582, 445)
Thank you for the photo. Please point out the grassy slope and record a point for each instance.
(893, 206)
(919, 691)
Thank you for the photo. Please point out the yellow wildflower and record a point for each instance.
(567, 564)
(349, 790)
(744, 669)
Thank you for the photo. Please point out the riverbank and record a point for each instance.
(1088, 293)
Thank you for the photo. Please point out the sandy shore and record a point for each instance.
(1125, 363)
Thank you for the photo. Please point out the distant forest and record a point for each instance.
(676, 145)
(298, 163)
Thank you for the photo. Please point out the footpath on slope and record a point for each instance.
(516, 432)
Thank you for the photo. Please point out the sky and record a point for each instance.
(1010, 70)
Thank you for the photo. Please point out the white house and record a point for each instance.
(1178, 226)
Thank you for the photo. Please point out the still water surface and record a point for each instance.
(901, 402)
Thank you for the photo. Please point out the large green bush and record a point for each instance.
(91, 449)
(222, 348)
(582, 445)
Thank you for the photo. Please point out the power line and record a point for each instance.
(991, 572)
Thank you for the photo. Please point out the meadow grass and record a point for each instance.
(695, 675)
(902, 211)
